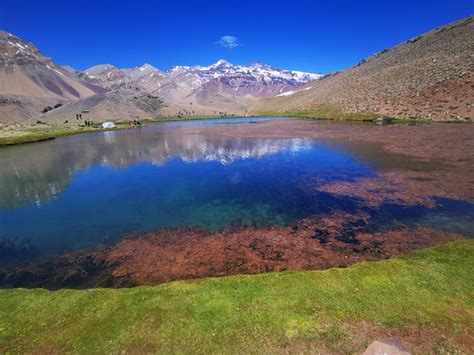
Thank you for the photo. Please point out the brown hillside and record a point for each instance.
(29, 81)
(430, 76)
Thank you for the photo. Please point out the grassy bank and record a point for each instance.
(22, 133)
(335, 115)
(326, 113)
(31, 134)
(426, 299)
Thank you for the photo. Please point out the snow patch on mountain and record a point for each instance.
(287, 93)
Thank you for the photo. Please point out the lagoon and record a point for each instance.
(81, 191)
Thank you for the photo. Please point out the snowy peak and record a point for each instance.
(221, 64)
(305, 77)
(101, 69)
(111, 77)
(249, 81)
(143, 70)
(140, 72)
(147, 67)
(254, 80)
(258, 70)
(104, 75)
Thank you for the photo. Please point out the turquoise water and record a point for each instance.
(81, 191)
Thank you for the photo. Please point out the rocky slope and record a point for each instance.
(220, 87)
(430, 76)
(111, 77)
(119, 104)
(256, 80)
(30, 81)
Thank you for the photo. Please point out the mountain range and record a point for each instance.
(200, 89)
(31, 82)
(429, 76)
(256, 80)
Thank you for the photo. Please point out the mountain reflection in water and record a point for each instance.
(38, 173)
(81, 191)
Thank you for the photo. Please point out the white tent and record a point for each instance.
(107, 125)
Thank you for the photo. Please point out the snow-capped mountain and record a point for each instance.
(111, 77)
(218, 87)
(31, 84)
(259, 72)
(255, 80)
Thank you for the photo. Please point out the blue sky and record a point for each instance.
(318, 36)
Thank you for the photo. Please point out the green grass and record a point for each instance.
(41, 133)
(332, 112)
(335, 115)
(326, 112)
(431, 291)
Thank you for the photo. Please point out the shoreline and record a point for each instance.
(34, 134)
(171, 254)
(336, 310)
(39, 135)
(374, 284)
(425, 162)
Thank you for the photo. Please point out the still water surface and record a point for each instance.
(80, 191)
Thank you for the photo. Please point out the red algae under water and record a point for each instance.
(417, 166)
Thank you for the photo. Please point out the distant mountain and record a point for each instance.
(183, 90)
(219, 87)
(30, 81)
(256, 80)
(429, 76)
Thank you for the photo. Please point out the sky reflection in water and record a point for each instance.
(78, 191)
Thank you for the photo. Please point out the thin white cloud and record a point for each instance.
(228, 42)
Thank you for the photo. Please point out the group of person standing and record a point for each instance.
(134, 123)
(87, 122)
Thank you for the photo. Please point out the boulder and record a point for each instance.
(390, 346)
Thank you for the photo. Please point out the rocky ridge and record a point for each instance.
(430, 76)
(30, 81)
